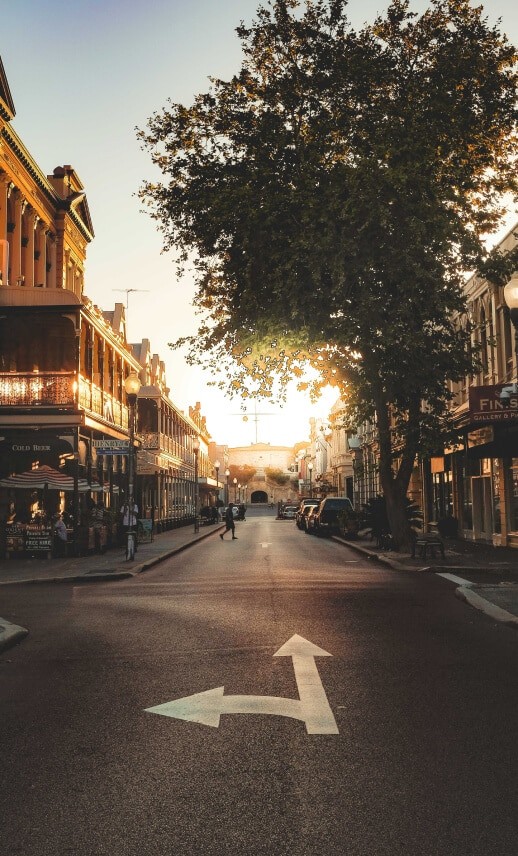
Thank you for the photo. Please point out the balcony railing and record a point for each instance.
(39, 389)
(100, 403)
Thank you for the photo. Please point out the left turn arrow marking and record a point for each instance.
(312, 706)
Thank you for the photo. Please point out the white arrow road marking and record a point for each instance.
(318, 714)
(312, 707)
(207, 707)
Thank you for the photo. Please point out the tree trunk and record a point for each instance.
(394, 485)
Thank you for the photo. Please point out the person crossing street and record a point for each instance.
(229, 522)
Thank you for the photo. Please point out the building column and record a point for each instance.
(16, 238)
(4, 193)
(28, 253)
(51, 264)
(4, 245)
(40, 267)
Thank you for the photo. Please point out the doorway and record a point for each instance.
(482, 515)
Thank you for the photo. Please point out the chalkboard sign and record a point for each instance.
(145, 531)
(38, 539)
(14, 537)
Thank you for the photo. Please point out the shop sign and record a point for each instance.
(111, 447)
(37, 444)
(498, 403)
(437, 465)
(14, 537)
(145, 531)
(38, 538)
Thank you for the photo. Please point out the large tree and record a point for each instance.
(330, 197)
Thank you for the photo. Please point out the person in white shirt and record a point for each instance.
(129, 520)
(60, 531)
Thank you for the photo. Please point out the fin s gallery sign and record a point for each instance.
(497, 403)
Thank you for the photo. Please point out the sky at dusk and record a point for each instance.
(83, 74)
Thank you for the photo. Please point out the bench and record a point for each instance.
(427, 541)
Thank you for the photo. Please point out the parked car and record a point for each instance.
(310, 519)
(303, 510)
(288, 512)
(223, 511)
(336, 516)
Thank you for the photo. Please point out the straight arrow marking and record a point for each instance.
(318, 714)
(312, 706)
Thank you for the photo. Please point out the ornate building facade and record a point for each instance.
(63, 362)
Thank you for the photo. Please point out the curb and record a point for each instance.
(475, 600)
(397, 566)
(376, 557)
(10, 634)
(118, 573)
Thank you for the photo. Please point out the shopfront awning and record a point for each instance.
(47, 478)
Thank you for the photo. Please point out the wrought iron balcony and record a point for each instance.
(37, 389)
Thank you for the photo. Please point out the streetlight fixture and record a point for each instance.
(234, 482)
(310, 470)
(196, 450)
(132, 386)
(227, 473)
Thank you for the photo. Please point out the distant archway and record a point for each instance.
(259, 496)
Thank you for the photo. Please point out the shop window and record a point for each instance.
(442, 494)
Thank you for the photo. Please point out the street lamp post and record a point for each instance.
(234, 482)
(310, 470)
(196, 450)
(132, 387)
(227, 495)
(216, 467)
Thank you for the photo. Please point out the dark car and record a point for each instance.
(309, 519)
(336, 516)
(303, 511)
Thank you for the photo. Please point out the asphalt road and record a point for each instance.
(423, 691)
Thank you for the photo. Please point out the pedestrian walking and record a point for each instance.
(129, 522)
(229, 522)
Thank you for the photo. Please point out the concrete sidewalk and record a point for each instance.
(111, 565)
(485, 577)
(106, 566)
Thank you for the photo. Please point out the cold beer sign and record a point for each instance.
(497, 403)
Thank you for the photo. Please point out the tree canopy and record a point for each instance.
(332, 195)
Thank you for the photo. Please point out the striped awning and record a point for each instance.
(47, 478)
(38, 479)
